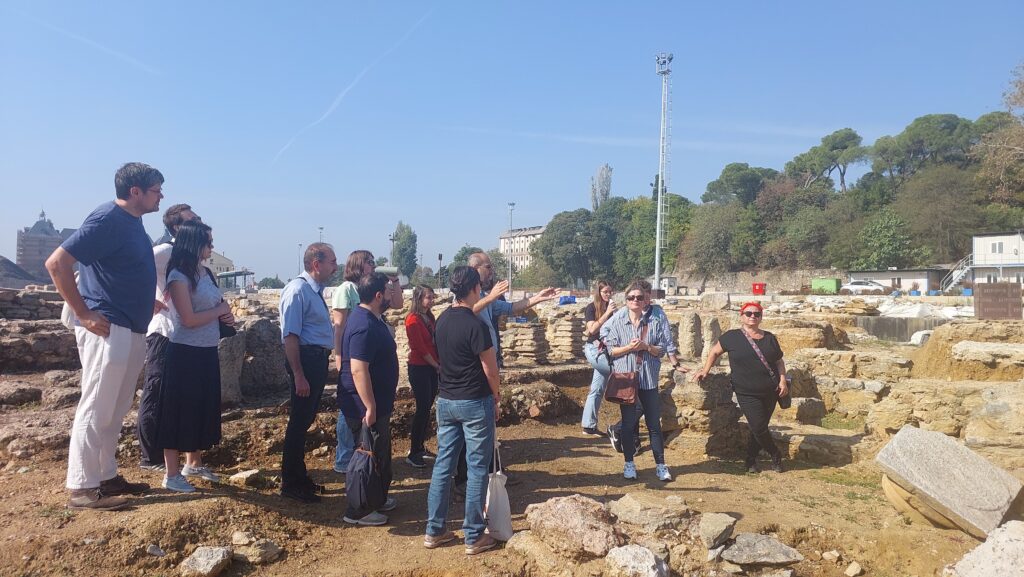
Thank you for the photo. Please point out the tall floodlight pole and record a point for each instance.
(662, 60)
(511, 207)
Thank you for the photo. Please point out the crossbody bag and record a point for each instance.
(784, 402)
(622, 387)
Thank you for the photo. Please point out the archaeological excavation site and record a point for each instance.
(903, 452)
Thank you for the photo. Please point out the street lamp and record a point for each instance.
(511, 207)
(321, 233)
(439, 257)
(392, 237)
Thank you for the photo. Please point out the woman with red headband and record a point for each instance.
(758, 377)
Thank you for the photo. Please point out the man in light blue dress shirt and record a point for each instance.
(308, 338)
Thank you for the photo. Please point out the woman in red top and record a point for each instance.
(423, 368)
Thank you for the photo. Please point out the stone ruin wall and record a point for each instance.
(965, 382)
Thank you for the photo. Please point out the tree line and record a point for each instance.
(927, 190)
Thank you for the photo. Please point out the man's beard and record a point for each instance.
(488, 285)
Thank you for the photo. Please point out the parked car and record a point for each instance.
(862, 287)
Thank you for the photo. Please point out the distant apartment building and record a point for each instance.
(36, 243)
(515, 244)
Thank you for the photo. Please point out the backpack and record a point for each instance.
(364, 486)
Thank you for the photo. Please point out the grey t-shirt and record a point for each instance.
(205, 297)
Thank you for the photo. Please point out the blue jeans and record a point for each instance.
(346, 445)
(469, 423)
(597, 383)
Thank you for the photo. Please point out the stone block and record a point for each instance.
(949, 477)
(651, 512)
(715, 528)
(808, 411)
(634, 561)
(1002, 553)
(206, 562)
(575, 527)
(755, 549)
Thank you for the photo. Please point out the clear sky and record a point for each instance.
(272, 119)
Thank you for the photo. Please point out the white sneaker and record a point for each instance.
(629, 471)
(178, 484)
(373, 519)
(203, 472)
(663, 474)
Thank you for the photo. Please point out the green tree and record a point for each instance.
(738, 181)
(461, 258)
(424, 275)
(634, 240)
(537, 275)
(381, 261)
(1001, 149)
(886, 242)
(500, 264)
(404, 253)
(271, 283)
(566, 245)
(706, 247)
(940, 207)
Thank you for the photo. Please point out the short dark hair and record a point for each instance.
(135, 174)
(354, 265)
(638, 284)
(462, 281)
(173, 218)
(370, 285)
(316, 252)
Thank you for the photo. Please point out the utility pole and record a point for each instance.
(511, 207)
(662, 62)
(391, 237)
(439, 285)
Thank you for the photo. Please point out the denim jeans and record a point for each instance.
(648, 402)
(346, 444)
(597, 383)
(461, 423)
(302, 414)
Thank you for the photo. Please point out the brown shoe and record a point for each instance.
(482, 544)
(119, 486)
(435, 541)
(95, 500)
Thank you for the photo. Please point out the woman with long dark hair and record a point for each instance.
(423, 369)
(595, 315)
(189, 419)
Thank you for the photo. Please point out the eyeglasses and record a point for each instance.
(754, 314)
(640, 298)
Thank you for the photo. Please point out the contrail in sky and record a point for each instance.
(120, 56)
(355, 81)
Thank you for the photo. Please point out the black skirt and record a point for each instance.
(190, 399)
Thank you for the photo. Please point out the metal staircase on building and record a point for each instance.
(958, 273)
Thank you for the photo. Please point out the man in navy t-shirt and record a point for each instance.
(369, 378)
(113, 302)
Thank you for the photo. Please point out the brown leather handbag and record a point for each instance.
(621, 387)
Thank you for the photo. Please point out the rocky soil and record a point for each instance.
(832, 515)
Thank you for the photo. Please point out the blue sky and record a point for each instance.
(274, 119)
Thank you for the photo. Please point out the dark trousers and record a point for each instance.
(758, 411)
(302, 414)
(649, 403)
(149, 404)
(423, 379)
(380, 435)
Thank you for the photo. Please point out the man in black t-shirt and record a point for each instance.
(467, 410)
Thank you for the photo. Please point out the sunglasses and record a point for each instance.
(754, 314)
(632, 298)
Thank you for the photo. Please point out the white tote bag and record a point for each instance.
(496, 508)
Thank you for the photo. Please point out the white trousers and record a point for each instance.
(110, 372)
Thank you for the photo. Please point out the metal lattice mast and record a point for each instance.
(662, 60)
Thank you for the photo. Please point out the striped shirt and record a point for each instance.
(619, 331)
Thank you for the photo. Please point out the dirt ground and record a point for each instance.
(813, 508)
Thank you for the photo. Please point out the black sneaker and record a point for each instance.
(416, 460)
(592, 431)
(614, 439)
(119, 486)
(303, 494)
(777, 464)
(752, 467)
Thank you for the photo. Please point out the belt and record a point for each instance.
(314, 349)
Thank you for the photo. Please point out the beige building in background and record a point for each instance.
(36, 243)
(515, 245)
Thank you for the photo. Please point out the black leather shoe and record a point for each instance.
(777, 464)
(752, 467)
(303, 494)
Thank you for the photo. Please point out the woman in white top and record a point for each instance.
(190, 397)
